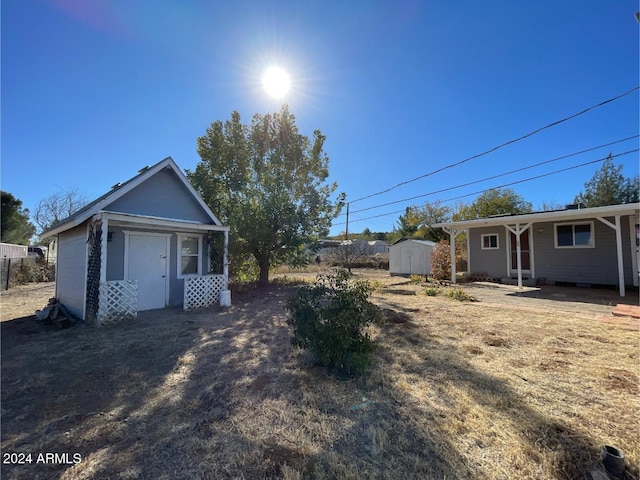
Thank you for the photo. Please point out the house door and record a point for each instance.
(525, 253)
(147, 263)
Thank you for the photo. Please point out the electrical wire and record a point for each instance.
(534, 132)
(499, 186)
(494, 176)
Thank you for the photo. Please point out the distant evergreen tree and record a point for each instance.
(16, 227)
(608, 187)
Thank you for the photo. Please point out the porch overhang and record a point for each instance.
(117, 299)
(519, 223)
(160, 223)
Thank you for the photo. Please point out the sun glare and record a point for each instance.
(276, 82)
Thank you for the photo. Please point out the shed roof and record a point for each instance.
(414, 240)
(120, 189)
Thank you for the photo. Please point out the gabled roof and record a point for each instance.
(120, 189)
(556, 215)
(415, 240)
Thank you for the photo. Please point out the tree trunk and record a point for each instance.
(263, 263)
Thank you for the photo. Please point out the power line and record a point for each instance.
(538, 130)
(495, 176)
(500, 186)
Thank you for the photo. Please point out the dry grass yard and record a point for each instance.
(457, 390)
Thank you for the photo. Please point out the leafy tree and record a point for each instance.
(16, 227)
(493, 202)
(431, 213)
(267, 182)
(56, 207)
(408, 223)
(608, 187)
(417, 221)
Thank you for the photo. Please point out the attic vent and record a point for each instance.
(144, 169)
(117, 185)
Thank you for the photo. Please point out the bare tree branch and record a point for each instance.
(57, 207)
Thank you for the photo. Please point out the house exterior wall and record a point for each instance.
(162, 195)
(491, 262)
(597, 265)
(71, 269)
(116, 259)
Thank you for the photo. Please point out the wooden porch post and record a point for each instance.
(517, 232)
(225, 259)
(616, 227)
(103, 250)
(453, 233)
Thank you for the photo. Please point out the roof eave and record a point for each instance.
(74, 221)
(609, 210)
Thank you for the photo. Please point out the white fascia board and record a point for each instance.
(63, 227)
(626, 209)
(98, 207)
(161, 222)
(112, 197)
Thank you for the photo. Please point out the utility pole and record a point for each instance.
(346, 230)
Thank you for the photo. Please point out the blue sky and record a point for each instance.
(94, 90)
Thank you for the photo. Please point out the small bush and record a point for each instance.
(416, 279)
(329, 319)
(459, 294)
(26, 270)
(432, 291)
(441, 261)
(455, 293)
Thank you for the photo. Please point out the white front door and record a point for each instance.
(147, 263)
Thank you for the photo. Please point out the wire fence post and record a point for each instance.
(8, 273)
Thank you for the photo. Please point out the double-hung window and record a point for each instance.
(490, 241)
(574, 235)
(189, 255)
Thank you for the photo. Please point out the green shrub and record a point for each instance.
(329, 318)
(432, 291)
(416, 279)
(459, 294)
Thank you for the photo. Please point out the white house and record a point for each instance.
(409, 256)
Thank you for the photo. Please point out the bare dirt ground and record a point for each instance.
(23, 300)
(457, 390)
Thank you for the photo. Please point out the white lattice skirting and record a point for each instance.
(118, 301)
(203, 291)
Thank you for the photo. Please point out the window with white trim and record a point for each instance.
(189, 255)
(490, 241)
(574, 235)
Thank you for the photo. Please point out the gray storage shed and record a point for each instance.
(150, 242)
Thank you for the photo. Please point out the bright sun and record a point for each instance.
(276, 82)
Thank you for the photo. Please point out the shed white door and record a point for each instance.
(412, 261)
(147, 263)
